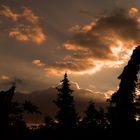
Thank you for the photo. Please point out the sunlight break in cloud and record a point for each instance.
(106, 42)
(28, 30)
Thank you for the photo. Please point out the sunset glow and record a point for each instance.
(91, 41)
(69, 69)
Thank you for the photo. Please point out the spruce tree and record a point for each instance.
(94, 118)
(66, 116)
(92, 115)
(122, 109)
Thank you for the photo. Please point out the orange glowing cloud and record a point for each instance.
(29, 30)
(106, 42)
(30, 16)
(18, 35)
(25, 34)
(70, 46)
(38, 63)
(7, 12)
(37, 35)
(74, 66)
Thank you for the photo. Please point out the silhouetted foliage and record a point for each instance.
(92, 115)
(122, 109)
(49, 122)
(7, 107)
(94, 121)
(120, 119)
(66, 116)
(12, 122)
(137, 105)
(30, 108)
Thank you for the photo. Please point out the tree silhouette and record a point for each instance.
(92, 115)
(66, 116)
(122, 109)
(94, 121)
(6, 106)
(49, 122)
(12, 122)
(30, 108)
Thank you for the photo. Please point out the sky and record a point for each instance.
(91, 40)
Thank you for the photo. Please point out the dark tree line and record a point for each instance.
(117, 121)
(12, 123)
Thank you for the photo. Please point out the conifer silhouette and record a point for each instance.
(66, 116)
(12, 121)
(122, 108)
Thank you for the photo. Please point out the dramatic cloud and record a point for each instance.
(106, 42)
(26, 25)
(68, 64)
(23, 33)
